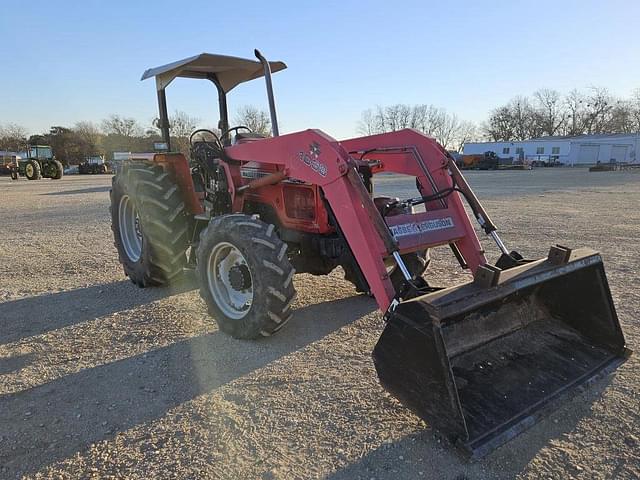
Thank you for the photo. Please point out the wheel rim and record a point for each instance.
(130, 232)
(230, 281)
(29, 170)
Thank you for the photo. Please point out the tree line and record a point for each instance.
(73, 144)
(116, 133)
(546, 113)
(549, 113)
(445, 127)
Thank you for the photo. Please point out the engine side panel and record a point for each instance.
(297, 206)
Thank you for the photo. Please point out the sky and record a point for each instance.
(69, 61)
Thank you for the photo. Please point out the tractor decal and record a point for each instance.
(421, 227)
(312, 159)
(253, 173)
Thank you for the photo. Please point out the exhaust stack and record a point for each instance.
(272, 102)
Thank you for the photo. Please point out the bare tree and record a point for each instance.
(635, 110)
(13, 137)
(526, 123)
(257, 120)
(622, 119)
(432, 118)
(467, 132)
(391, 118)
(88, 137)
(181, 124)
(123, 126)
(500, 126)
(447, 129)
(181, 127)
(375, 121)
(551, 114)
(575, 111)
(521, 120)
(598, 107)
(436, 122)
(367, 123)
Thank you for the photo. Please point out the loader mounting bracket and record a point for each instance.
(414, 289)
(559, 255)
(513, 259)
(487, 276)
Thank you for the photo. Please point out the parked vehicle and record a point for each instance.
(94, 165)
(38, 163)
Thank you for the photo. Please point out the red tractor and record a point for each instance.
(481, 360)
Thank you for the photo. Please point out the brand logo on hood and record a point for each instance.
(312, 159)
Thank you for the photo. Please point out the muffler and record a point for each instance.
(484, 361)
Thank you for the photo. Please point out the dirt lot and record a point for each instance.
(101, 379)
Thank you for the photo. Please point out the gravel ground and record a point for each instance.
(100, 379)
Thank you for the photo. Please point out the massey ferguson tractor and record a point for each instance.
(481, 361)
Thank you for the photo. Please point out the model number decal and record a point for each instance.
(416, 228)
(253, 173)
(312, 159)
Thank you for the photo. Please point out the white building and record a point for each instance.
(582, 149)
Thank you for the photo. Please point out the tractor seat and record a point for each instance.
(242, 137)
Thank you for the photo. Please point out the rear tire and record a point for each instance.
(58, 170)
(151, 227)
(32, 170)
(245, 276)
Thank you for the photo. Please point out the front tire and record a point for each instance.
(151, 227)
(245, 276)
(32, 170)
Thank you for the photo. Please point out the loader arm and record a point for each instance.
(445, 221)
(314, 157)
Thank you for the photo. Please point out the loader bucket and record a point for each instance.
(482, 364)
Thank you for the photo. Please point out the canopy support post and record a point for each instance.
(163, 124)
(223, 123)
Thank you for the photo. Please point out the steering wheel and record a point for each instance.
(239, 127)
(207, 142)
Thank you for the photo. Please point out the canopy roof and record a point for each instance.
(229, 71)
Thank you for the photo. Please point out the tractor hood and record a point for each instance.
(227, 72)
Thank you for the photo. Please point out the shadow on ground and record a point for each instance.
(429, 454)
(37, 315)
(80, 191)
(51, 422)
(16, 362)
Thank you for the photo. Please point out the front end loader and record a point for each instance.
(481, 361)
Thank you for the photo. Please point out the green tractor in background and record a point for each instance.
(39, 163)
